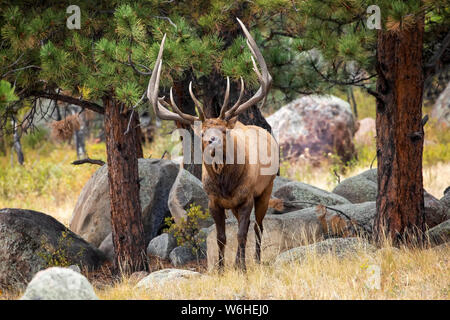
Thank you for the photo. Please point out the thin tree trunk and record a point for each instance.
(2, 143)
(400, 203)
(16, 143)
(351, 100)
(79, 135)
(126, 217)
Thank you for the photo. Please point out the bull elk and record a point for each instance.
(230, 183)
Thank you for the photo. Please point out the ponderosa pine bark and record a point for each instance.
(126, 218)
(400, 203)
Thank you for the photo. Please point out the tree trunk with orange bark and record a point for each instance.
(123, 149)
(400, 203)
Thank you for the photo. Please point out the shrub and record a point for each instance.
(187, 231)
(59, 256)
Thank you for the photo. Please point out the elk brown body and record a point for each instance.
(240, 161)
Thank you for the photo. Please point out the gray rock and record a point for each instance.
(363, 187)
(341, 247)
(445, 200)
(29, 240)
(182, 255)
(164, 277)
(435, 211)
(371, 174)
(301, 192)
(91, 217)
(59, 284)
(185, 191)
(357, 189)
(287, 231)
(278, 182)
(161, 246)
(313, 126)
(107, 247)
(439, 234)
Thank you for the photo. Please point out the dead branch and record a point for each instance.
(89, 160)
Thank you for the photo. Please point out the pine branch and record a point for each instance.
(132, 65)
(18, 69)
(82, 103)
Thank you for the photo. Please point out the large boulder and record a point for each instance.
(441, 108)
(293, 229)
(435, 211)
(31, 241)
(186, 191)
(363, 187)
(302, 195)
(440, 233)
(107, 247)
(357, 189)
(182, 255)
(340, 247)
(166, 277)
(445, 200)
(91, 217)
(278, 182)
(59, 284)
(314, 126)
(281, 232)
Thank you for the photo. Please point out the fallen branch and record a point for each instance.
(89, 160)
(330, 208)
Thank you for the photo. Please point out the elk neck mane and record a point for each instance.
(223, 183)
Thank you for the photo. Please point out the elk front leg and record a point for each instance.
(218, 214)
(261, 204)
(243, 214)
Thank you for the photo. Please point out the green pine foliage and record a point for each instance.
(309, 46)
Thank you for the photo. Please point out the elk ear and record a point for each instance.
(232, 122)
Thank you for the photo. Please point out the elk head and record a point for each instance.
(213, 130)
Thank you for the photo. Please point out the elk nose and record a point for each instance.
(212, 139)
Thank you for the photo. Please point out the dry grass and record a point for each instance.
(405, 274)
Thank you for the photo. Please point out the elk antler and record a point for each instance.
(264, 78)
(157, 102)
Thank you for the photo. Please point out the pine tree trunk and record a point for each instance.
(400, 135)
(126, 218)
